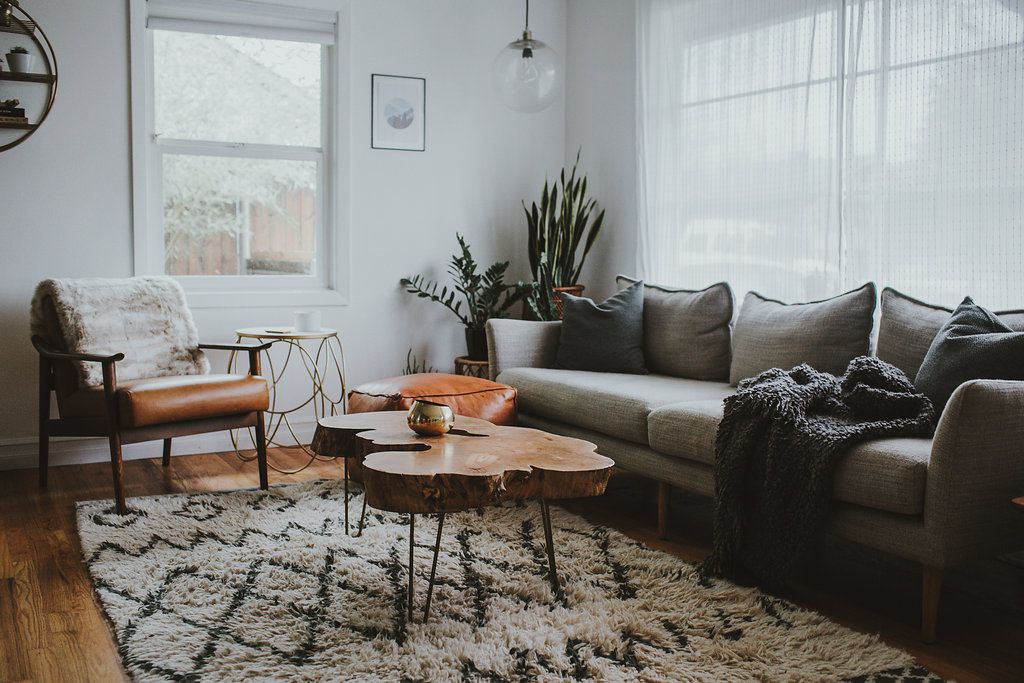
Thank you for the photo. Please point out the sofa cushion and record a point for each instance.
(608, 403)
(618, 322)
(827, 334)
(687, 333)
(908, 326)
(973, 344)
(884, 474)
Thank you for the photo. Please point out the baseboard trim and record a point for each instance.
(23, 453)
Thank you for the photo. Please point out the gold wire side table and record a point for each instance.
(324, 363)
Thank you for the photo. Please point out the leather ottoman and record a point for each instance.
(470, 396)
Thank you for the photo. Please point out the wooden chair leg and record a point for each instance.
(261, 451)
(118, 466)
(931, 589)
(664, 492)
(167, 452)
(44, 422)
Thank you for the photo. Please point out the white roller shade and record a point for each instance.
(243, 18)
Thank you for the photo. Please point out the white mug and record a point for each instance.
(307, 321)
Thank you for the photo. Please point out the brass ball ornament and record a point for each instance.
(427, 418)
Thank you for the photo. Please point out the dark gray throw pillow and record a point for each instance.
(908, 326)
(973, 344)
(604, 338)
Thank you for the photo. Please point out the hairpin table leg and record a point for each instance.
(433, 567)
(345, 460)
(362, 515)
(552, 571)
(412, 546)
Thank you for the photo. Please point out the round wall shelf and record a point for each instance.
(14, 84)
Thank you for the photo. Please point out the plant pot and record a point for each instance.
(476, 344)
(575, 290)
(20, 62)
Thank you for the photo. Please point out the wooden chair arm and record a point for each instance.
(53, 354)
(237, 346)
(255, 368)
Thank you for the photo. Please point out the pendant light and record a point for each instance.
(526, 73)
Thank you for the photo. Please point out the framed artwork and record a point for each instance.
(398, 112)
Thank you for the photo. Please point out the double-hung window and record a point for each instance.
(233, 180)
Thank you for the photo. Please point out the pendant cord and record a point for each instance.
(527, 15)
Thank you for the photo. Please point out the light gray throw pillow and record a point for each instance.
(827, 334)
(606, 337)
(687, 333)
(908, 326)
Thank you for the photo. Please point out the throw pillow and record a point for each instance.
(908, 326)
(973, 344)
(826, 335)
(604, 338)
(687, 333)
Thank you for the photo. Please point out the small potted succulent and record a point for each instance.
(20, 61)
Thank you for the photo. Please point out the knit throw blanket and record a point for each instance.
(776, 451)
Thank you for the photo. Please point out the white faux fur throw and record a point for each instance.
(145, 318)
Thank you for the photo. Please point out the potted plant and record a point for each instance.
(19, 60)
(485, 294)
(557, 227)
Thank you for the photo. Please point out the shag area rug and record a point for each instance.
(265, 585)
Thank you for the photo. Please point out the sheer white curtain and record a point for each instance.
(802, 147)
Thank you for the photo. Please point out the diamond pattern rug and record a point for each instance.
(265, 585)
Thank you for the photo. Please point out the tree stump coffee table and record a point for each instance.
(475, 465)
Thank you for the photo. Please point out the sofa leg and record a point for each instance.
(167, 452)
(261, 450)
(664, 491)
(931, 589)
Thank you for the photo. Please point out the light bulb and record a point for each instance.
(526, 70)
(526, 75)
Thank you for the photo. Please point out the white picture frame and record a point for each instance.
(398, 112)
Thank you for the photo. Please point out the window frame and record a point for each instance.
(329, 285)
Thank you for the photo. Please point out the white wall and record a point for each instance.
(65, 196)
(600, 118)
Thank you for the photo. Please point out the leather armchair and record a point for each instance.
(159, 397)
(150, 409)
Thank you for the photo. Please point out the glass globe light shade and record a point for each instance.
(526, 75)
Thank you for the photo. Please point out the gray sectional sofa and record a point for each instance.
(938, 501)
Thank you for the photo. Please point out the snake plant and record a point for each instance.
(559, 225)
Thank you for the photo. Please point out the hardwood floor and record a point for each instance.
(51, 628)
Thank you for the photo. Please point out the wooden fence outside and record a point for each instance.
(282, 239)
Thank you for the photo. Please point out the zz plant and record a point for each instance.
(485, 295)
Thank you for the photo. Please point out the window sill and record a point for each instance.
(269, 298)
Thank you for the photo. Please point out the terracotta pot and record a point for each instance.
(575, 290)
